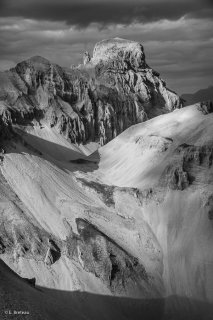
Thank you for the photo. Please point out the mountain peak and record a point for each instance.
(119, 49)
(35, 60)
(38, 63)
(39, 59)
(95, 103)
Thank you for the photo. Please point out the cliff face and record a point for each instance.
(95, 101)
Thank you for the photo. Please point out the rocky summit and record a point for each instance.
(93, 102)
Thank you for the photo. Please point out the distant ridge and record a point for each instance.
(199, 96)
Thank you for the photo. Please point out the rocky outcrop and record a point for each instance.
(209, 206)
(191, 165)
(100, 255)
(110, 91)
(130, 54)
(86, 58)
(177, 178)
(53, 253)
(206, 107)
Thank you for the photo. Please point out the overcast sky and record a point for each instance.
(177, 34)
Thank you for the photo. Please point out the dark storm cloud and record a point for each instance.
(84, 12)
(176, 34)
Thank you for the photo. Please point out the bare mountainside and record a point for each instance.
(92, 102)
(129, 226)
(123, 232)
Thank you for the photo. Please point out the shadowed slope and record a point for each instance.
(41, 303)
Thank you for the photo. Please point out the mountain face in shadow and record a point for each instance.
(21, 300)
(202, 95)
(95, 101)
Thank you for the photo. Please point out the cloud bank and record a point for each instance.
(177, 35)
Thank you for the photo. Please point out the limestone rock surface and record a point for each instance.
(96, 101)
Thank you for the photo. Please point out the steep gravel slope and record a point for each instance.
(130, 221)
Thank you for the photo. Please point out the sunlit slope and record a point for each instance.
(48, 212)
(171, 157)
(137, 223)
(46, 204)
(138, 156)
